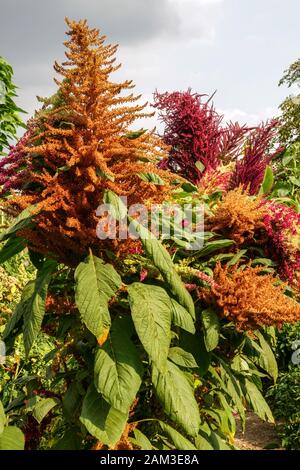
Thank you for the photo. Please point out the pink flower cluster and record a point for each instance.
(249, 170)
(283, 228)
(193, 130)
(14, 167)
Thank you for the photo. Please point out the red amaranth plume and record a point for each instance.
(14, 166)
(193, 131)
(282, 224)
(249, 171)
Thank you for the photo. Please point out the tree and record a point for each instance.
(9, 117)
(290, 107)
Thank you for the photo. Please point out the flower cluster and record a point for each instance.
(283, 228)
(238, 216)
(81, 145)
(198, 143)
(13, 168)
(249, 298)
(249, 170)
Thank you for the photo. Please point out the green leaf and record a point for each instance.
(176, 394)
(12, 438)
(2, 418)
(199, 165)
(151, 315)
(194, 344)
(71, 401)
(152, 178)
(287, 159)
(189, 187)
(294, 180)
(13, 246)
(42, 408)
(211, 326)
(210, 247)
(163, 262)
(23, 220)
(202, 442)
(210, 440)
(157, 253)
(268, 181)
(182, 358)
(142, 441)
(34, 307)
(102, 420)
(267, 360)
(118, 368)
(71, 440)
(120, 209)
(180, 442)
(257, 401)
(135, 134)
(96, 284)
(104, 175)
(232, 387)
(20, 309)
(236, 257)
(181, 317)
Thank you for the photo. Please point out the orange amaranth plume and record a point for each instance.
(249, 298)
(238, 216)
(81, 145)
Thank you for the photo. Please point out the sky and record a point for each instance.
(238, 47)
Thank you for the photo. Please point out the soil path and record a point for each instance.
(259, 435)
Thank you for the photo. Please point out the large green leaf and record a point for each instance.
(210, 440)
(151, 315)
(268, 181)
(12, 438)
(151, 178)
(257, 401)
(71, 440)
(42, 408)
(176, 394)
(102, 420)
(20, 309)
(232, 387)
(13, 246)
(23, 220)
(96, 283)
(34, 306)
(267, 360)
(142, 441)
(163, 262)
(180, 442)
(182, 358)
(157, 253)
(181, 317)
(211, 327)
(2, 418)
(118, 368)
(210, 247)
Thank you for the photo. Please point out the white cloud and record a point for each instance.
(198, 19)
(251, 119)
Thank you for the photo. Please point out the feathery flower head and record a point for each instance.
(249, 298)
(238, 216)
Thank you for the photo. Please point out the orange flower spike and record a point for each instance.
(79, 148)
(238, 216)
(249, 298)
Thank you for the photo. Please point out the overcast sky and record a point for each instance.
(238, 47)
